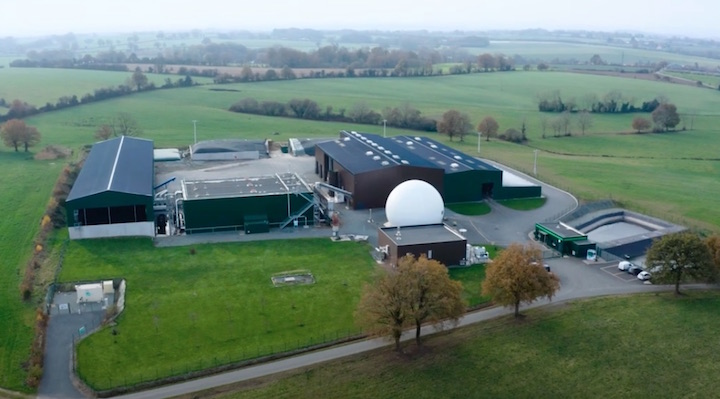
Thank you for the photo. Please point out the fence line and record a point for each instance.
(202, 367)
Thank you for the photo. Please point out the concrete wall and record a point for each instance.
(226, 156)
(143, 229)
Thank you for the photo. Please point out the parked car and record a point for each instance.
(624, 265)
(634, 270)
(544, 265)
(644, 276)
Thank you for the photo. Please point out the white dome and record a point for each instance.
(414, 203)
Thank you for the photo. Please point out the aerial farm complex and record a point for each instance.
(128, 188)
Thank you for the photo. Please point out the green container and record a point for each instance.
(284, 149)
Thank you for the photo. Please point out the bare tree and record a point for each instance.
(123, 124)
(15, 132)
(488, 127)
(103, 132)
(584, 120)
(639, 124)
(454, 124)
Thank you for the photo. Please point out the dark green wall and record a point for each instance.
(229, 212)
(517, 192)
(468, 186)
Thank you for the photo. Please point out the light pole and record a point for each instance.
(479, 140)
(535, 163)
(384, 125)
(195, 130)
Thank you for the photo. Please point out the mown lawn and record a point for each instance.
(25, 185)
(469, 208)
(471, 277)
(643, 346)
(525, 204)
(187, 312)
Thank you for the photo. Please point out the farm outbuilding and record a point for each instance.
(113, 194)
(229, 150)
(252, 205)
(436, 241)
(563, 238)
(370, 166)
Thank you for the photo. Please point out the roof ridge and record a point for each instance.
(117, 158)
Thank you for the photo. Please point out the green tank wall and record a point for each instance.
(468, 186)
(230, 213)
(517, 192)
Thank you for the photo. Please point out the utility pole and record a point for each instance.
(384, 126)
(195, 130)
(535, 163)
(479, 140)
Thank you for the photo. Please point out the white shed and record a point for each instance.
(89, 292)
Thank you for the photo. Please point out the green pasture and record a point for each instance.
(26, 186)
(470, 208)
(471, 278)
(548, 51)
(187, 312)
(654, 173)
(37, 86)
(641, 346)
(709, 80)
(524, 204)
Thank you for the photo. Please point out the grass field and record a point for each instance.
(625, 347)
(26, 184)
(710, 80)
(472, 277)
(650, 172)
(470, 208)
(188, 312)
(525, 204)
(582, 52)
(37, 86)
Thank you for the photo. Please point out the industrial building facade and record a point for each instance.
(435, 241)
(113, 194)
(252, 205)
(370, 166)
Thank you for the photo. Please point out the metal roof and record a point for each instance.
(244, 187)
(363, 152)
(426, 234)
(123, 164)
(441, 155)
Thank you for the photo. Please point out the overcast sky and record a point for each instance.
(39, 17)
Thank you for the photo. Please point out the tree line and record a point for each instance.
(403, 116)
(612, 102)
(229, 53)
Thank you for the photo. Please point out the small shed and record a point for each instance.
(435, 241)
(89, 292)
(563, 238)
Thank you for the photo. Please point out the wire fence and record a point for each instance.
(127, 380)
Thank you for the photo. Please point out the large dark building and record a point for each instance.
(113, 194)
(249, 204)
(370, 166)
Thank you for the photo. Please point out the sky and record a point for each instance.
(696, 18)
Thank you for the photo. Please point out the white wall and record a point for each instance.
(145, 229)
